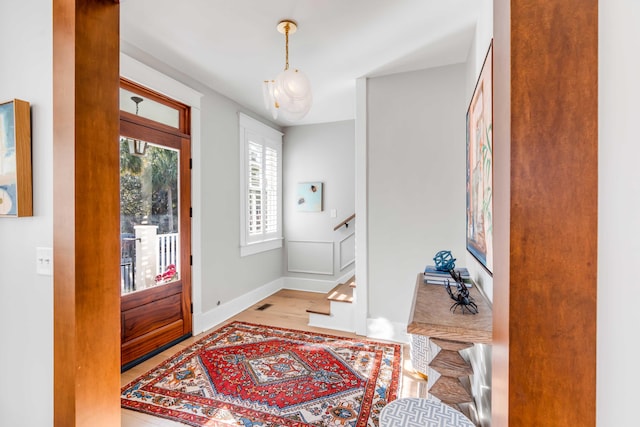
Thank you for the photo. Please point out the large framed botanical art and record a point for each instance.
(15, 159)
(480, 167)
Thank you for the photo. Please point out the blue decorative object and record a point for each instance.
(444, 261)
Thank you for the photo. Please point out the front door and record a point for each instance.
(155, 232)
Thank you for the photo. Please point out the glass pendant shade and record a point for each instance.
(270, 102)
(294, 84)
(289, 94)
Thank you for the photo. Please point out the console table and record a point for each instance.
(451, 332)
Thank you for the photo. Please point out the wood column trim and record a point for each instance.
(545, 125)
(86, 213)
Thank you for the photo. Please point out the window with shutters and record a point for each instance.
(260, 187)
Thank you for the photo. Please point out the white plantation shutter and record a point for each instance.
(261, 186)
(271, 211)
(256, 179)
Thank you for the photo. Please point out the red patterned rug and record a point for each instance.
(258, 376)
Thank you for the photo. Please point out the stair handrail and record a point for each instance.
(345, 222)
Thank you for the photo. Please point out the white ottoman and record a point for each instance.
(417, 412)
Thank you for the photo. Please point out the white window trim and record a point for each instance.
(270, 137)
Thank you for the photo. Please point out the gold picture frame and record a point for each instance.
(16, 194)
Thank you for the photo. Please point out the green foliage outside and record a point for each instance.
(148, 189)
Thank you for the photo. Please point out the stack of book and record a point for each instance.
(438, 277)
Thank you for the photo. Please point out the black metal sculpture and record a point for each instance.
(462, 298)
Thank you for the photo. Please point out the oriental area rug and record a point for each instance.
(257, 376)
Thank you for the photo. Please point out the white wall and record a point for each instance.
(325, 153)
(26, 299)
(416, 169)
(618, 207)
(226, 275)
(475, 61)
(480, 44)
(417, 164)
(480, 355)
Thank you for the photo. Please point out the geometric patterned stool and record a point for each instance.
(417, 412)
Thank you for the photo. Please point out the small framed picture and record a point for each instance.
(309, 197)
(15, 159)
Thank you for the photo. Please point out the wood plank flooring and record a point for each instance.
(287, 310)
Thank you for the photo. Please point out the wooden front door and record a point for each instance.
(155, 227)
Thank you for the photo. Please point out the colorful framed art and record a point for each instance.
(15, 159)
(480, 167)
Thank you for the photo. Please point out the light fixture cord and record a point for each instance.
(286, 43)
(137, 100)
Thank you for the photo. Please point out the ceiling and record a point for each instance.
(232, 46)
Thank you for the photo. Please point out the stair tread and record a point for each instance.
(322, 307)
(341, 293)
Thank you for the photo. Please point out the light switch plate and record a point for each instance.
(334, 213)
(44, 261)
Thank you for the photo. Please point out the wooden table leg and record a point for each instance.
(451, 367)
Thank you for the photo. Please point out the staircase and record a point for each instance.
(336, 310)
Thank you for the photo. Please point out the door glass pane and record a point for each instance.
(149, 206)
(148, 108)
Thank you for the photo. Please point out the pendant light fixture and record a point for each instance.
(137, 147)
(289, 94)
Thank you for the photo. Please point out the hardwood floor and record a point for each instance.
(287, 310)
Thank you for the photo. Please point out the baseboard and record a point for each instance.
(347, 275)
(314, 285)
(309, 285)
(217, 315)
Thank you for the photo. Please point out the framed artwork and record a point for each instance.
(309, 197)
(480, 167)
(15, 159)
